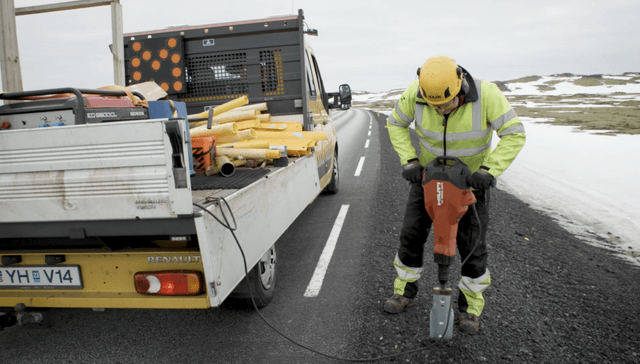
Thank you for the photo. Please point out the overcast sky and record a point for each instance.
(373, 45)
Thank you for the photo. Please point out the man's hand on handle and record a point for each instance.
(412, 171)
(481, 179)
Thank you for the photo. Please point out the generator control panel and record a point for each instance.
(68, 106)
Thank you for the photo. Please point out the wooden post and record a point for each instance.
(10, 58)
(69, 5)
(117, 47)
(11, 74)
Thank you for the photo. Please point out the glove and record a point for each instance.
(412, 171)
(481, 179)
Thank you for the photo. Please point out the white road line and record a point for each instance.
(366, 144)
(369, 133)
(359, 168)
(313, 289)
(370, 126)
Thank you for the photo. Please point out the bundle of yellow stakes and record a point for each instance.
(243, 132)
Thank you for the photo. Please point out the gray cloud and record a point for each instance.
(372, 45)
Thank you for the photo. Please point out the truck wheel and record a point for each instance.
(333, 186)
(262, 278)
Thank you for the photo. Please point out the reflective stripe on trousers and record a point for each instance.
(471, 292)
(406, 275)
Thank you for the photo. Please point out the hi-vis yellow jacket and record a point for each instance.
(466, 133)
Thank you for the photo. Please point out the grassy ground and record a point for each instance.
(606, 114)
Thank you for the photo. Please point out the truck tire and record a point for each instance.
(334, 186)
(262, 279)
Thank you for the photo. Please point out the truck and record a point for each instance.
(99, 204)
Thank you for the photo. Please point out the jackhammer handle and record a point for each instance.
(494, 182)
(447, 158)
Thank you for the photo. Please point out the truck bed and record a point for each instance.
(260, 202)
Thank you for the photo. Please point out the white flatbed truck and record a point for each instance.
(96, 213)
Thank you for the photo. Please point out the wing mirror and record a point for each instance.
(342, 98)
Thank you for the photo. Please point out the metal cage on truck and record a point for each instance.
(207, 65)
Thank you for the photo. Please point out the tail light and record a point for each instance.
(169, 282)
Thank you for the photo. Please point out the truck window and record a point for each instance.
(323, 94)
(311, 85)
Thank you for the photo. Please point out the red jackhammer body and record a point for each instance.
(447, 197)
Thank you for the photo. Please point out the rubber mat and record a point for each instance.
(241, 178)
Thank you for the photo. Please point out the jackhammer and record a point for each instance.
(447, 197)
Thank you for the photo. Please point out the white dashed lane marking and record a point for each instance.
(313, 289)
(359, 168)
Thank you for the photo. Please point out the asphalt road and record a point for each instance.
(234, 332)
(553, 298)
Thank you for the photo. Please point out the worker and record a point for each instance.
(455, 115)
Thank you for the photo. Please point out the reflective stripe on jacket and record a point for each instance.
(467, 132)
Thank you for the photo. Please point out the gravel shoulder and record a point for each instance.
(553, 298)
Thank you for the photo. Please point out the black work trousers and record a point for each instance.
(415, 231)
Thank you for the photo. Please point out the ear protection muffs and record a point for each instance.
(464, 88)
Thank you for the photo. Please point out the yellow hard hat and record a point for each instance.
(440, 80)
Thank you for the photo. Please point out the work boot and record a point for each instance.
(397, 303)
(469, 323)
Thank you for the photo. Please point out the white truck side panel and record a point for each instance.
(120, 170)
(282, 195)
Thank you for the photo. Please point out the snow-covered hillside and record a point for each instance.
(622, 86)
(565, 84)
